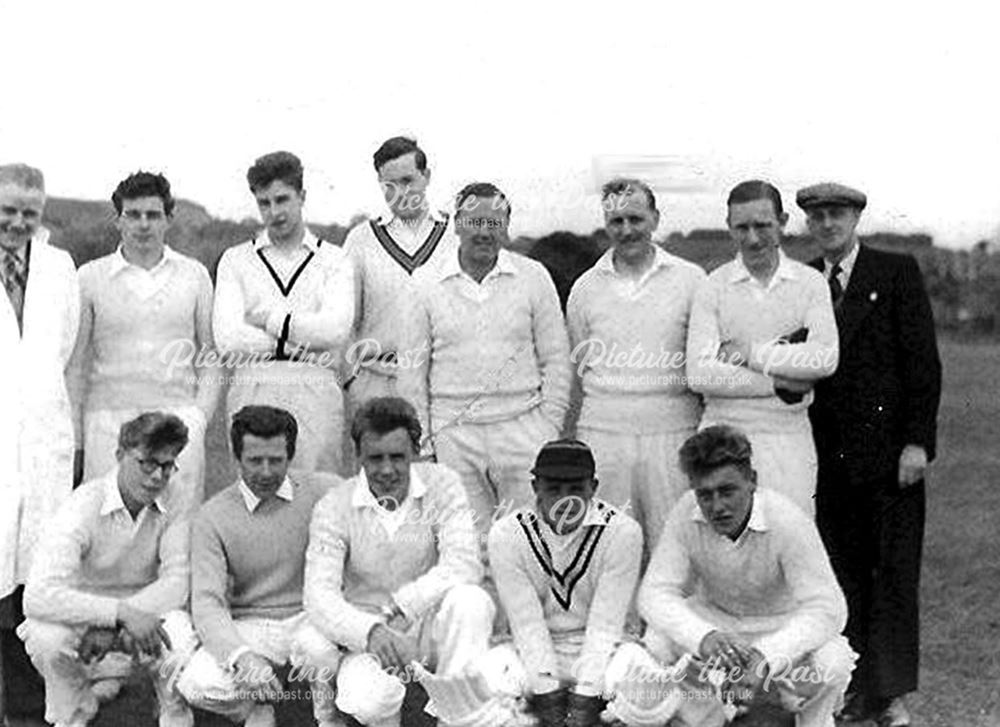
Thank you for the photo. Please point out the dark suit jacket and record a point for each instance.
(885, 392)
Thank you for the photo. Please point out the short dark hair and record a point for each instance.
(153, 431)
(264, 422)
(396, 147)
(483, 190)
(143, 184)
(384, 414)
(278, 165)
(715, 447)
(754, 189)
(627, 185)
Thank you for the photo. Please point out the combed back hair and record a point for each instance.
(480, 190)
(627, 186)
(278, 165)
(715, 447)
(143, 184)
(384, 414)
(153, 431)
(265, 422)
(753, 190)
(23, 176)
(396, 147)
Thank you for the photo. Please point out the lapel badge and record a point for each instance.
(873, 296)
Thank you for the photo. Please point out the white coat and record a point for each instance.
(36, 428)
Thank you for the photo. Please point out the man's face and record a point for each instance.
(263, 464)
(630, 222)
(403, 185)
(280, 206)
(563, 503)
(386, 460)
(143, 225)
(144, 475)
(756, 228)
(481, 225)
(20, 214)
(832, 226)
(725, 496)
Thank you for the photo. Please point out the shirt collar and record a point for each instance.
(113, 496)
(433, 215)
(119, 263)
(41, 237)
(785, 271)
(661, 259)
(286, 492)
(758, 514)
(846, 265)
(597, 514)
(450, 266)
(362, 496)
(309, 240)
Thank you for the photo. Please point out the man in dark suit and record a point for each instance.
(874, 422)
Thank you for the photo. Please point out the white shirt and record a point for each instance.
(142, 282)
(391, 520)
(286, 491)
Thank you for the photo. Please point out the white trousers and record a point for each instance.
(73, 690)
(494, 462)
(813, 687)
(785, 462)
(450, 638)
(101, 428)
(311, 394)
(639, 473)
(209, 685)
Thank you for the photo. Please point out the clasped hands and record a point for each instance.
(744, 665)
(137, 632)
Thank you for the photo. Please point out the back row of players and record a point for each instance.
(436, 310)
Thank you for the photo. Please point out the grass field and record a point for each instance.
(960, 665)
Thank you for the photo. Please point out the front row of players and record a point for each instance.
(360, 586)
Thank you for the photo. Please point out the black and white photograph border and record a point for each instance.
(549, 101)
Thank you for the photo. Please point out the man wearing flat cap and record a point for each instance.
(874, 423)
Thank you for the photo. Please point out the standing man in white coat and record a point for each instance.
(39, 313)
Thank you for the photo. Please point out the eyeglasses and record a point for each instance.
(149, 466)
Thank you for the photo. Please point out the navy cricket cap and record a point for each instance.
(564, 459)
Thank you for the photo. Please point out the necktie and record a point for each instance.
(13, 280)
(836, 289)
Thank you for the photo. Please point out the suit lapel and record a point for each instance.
(859, 297)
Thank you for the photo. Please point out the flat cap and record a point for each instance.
(830, 193)
(564, 459)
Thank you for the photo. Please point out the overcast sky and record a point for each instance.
(546, 99)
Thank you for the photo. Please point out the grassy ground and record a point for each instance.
(960, 665)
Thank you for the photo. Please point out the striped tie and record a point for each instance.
(13, 281)
(836, 289)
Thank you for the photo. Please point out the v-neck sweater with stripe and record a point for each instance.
(587, 599)
(318, 293)
(385, 285)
